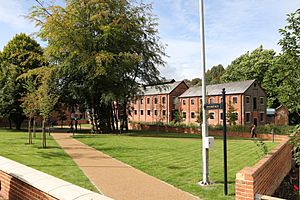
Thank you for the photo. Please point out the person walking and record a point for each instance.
(253, 131)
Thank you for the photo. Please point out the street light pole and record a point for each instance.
(205, 151)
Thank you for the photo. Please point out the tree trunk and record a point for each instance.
(29, 131)
(34, 127)
(44, 133)
(62, 122)
(9, 121)
(112, 117)
(116, 117)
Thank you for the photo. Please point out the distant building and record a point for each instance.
(271, 115)
(246, 97)
(281, 116)
(157, 103)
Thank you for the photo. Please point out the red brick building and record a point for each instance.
(157, 103)
(246, 97)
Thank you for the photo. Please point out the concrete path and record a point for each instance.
(116, 179)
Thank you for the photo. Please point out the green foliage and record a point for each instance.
(103, 51)
(193, 82)
(213, 75)
(254, 65)
(52, 160)
(289, 76)
(295, 140)
(263, 149)
(230, 114)
(19, 55)
(178, 116)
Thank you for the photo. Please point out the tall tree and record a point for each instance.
(103, 50)
(47, 98)
(289, 75)
(254, 65)
(19, 55)
(213, 75)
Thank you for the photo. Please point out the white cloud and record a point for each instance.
(232, 28)
(12, 13)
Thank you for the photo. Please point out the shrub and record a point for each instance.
(295, 140)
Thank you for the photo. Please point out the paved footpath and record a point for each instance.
(116, 179)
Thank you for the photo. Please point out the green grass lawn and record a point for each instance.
(176, 159)
(52, 160)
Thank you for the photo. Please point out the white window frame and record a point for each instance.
(236, 100)
(149, 112)
(249, 117)
(193, 113)
(262, 119)
(192, 101)
(248, 98)
(263, 101)
(184, 115)
(163, 100)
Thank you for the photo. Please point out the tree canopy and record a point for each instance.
(19, 55)
(289, 76)
(103, 50)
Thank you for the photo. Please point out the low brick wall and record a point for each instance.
(168, 129)
(19, 182)
(265, 177)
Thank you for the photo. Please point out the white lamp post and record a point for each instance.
(205, 151)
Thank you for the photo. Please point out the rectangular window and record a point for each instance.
(248, 119)
(211, 115)
(155, 100)
(234, 99)
(135, 112)
(183, 115)
(254, 103)
(221, 99)
(221, 116)
(148, 112)
(192, 101)
(142, 112)
(155, 112)
(247, 99)
(261, 101)
(142, 100)
(262, 117)
(148, 100)
(164, 100)
(211, 100)
(183, 102)
(200, 101)
(164, 112)
(192, 115)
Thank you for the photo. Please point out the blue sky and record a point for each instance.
(232, 27)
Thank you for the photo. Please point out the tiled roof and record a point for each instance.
(231, 88)
(159, 89)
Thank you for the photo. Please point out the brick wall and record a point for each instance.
(19, 182)
(13, 188)
(265, 177)
(167, 129)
